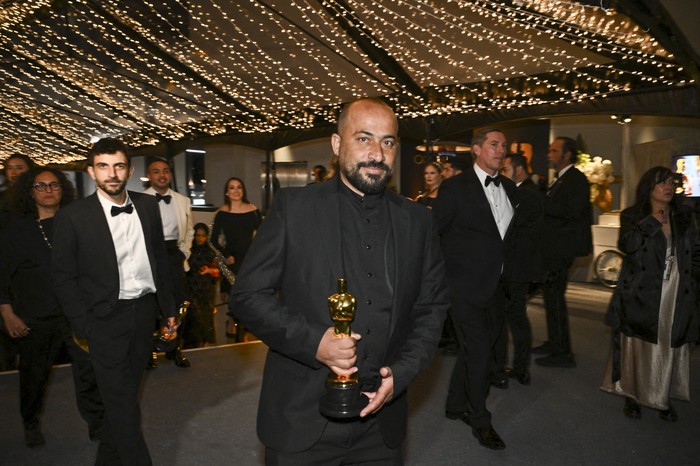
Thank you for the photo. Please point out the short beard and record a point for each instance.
(368, 184)
(112, 192)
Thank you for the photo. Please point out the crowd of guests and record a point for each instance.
(524, 237)
(104, 276)
(36, 327)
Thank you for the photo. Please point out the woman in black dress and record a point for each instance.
(235, 224)
(234, 227)
(12, 169)
(432, 174)
(29, 308)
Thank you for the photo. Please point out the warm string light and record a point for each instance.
(181, 69)
(433, 38)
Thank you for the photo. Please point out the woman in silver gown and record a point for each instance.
(653, 311)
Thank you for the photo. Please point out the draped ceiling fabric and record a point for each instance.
(165, 76)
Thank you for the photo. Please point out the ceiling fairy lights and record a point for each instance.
(156, 72)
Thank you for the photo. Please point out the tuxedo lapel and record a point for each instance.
(401, 234)
(327, 214)
(477, 196)
(558, 183)
(510, 193)
(102, 238)
(143, 216)
(139, 200)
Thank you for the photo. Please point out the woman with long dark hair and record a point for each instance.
(12, 168)
(653, 311)
(235, 225)
(29, 307)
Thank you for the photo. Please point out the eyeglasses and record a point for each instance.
(42, 186)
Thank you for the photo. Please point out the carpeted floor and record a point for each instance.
(205, 415)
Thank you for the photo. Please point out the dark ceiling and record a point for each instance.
(267, 73)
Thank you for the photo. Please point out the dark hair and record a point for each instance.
(457, 163)
(156, 159)
(245, 191)
(22, 202)
(346, 108)
(30, 163)
(518, 160)
(646, 185)
(107, 146)
(569, 146)
(481, 135)
(201, 226)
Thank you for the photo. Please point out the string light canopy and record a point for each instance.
(155, 73)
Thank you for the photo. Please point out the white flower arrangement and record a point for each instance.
(599, 173)
(597, 170)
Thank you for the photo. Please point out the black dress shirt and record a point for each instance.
(368, 263)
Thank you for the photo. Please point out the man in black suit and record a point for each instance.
(110, 272)
(566, 234)
(524, 267)
(385, 247)
(453, 166)
(473, 214)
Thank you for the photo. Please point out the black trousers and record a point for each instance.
(87, 395)
(177, 272)
(176, 265)
(519, 325)
(8, 351)
(556, 273)
(38, 351)
(342, 443)
(119, 344)
(478, 327)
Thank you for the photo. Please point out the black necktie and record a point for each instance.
(165, 198)
(492, 179)
(127, 209)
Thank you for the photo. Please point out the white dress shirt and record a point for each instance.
(168, 214)
(498, 200)
(135, 275)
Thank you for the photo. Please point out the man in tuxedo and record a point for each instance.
(385, 247)
(473, 214)
(524, 268)
(110, 272)
(176, 214)
(566, 234)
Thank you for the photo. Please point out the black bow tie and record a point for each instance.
(492, 179)
(127, 209)
(165, 198)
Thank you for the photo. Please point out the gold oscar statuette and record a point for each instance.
(166, 341)
(343, 398)
(81, 342)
